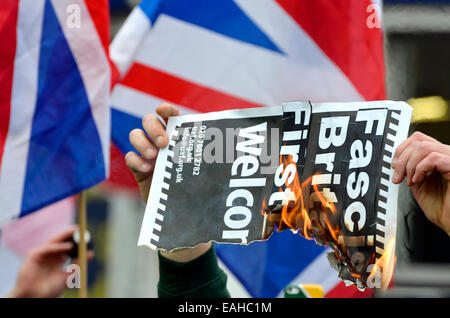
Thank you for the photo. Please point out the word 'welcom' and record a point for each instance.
(236, 218)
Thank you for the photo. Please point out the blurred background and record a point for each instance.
(417, 61)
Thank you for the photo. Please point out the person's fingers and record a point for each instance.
(400, 166)
(434, 161)
(420, 151)
(137, 164)
(140, 141)
(90, 255)
(54, 248)
(166, 110)
(156, 130)
(64, 235)
(415, 137)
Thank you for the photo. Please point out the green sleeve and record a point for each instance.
(199, 278)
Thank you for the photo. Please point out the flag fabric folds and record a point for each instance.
(55, 80)
(213, 55)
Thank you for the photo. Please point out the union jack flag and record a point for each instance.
(55, 81)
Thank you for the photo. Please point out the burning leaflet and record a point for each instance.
(341, 194)
(331, 181)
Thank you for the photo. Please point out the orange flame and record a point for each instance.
(314, 214)
(296, 216)
(327, 204)
(383, 269)
(263, 206)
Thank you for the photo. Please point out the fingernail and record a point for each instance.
(395, 177)
(145, 167)
(159, 141)
(150, 153)
(394, 161)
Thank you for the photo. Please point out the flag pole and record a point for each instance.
(82, 248)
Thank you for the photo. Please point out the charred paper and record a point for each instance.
(344, 197)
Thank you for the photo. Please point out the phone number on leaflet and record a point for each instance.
(198, 151)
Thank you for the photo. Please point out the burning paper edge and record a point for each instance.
(152, 220)
(383, 270)
(385, 257)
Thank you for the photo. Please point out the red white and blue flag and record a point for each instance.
(55, 80)
(213, 55)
